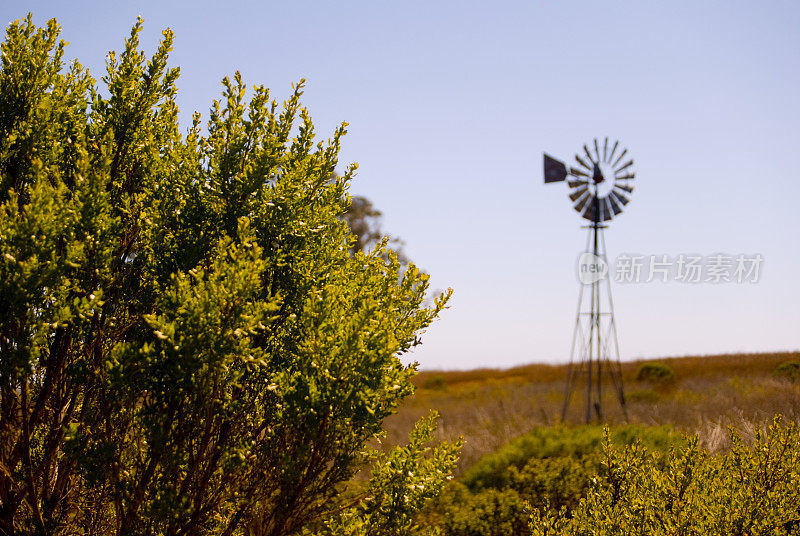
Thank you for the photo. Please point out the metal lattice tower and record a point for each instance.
(600, 186)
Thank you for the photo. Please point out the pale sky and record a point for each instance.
(451, 105)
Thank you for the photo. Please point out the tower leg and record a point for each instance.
(595, 348)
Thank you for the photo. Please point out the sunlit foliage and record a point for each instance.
(186, 344)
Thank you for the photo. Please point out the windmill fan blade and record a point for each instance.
(578, 193)
(554, 170)
(626, 166)
(588, 155)
(615, 208)
(621, 155)
(618, 197)
(584, 164)
(590, 213)
(605, 213)
(628, 189)
(613, 150)
(605, 149)
(575, 184)
(582, 203)
(575, 172)
(596, 150)
(630, 175)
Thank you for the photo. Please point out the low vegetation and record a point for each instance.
(657, 374)
(789, 370)
(751, 489)
(549, 467)
(490, 407)
(705, 417)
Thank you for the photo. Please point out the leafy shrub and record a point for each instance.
(187, 345)
(548, 467)
(656, 374)
(490, 512)
(558, 482)
(751, 489)
(790, 370)
(404, 476)
(436, 383)
(643, 396)
(542, 442)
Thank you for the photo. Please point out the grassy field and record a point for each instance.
(489, 407)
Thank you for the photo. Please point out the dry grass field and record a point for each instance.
(489, 407)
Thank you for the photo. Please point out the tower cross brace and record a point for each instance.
(594, 356)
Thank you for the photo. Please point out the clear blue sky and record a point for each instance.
(451, 105)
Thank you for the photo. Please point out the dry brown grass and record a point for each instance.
(489, 407)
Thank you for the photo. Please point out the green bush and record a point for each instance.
(494, 470)
(546, 468)
(750, 490)
(490, 512)
(436, 383)
(558, 482)
(187, 343)
(656, 374)
(789, 370)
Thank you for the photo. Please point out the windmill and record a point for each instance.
(600, 185)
